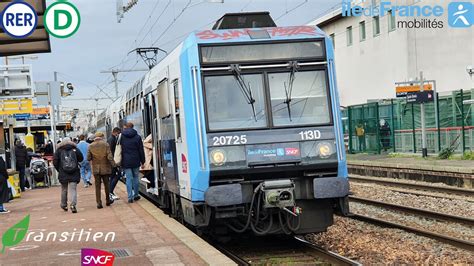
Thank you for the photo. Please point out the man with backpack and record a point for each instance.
(66, 161)
(102, 161)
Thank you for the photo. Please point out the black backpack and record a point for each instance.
(69, 162)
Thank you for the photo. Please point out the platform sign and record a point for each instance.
(16, 106)
(420, 97)
(21, 117)
(403, 90)
(40, 111)
(37, 42)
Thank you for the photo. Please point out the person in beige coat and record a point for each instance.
(102, 161)
(147, 168)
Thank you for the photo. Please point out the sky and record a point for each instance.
(101, 43)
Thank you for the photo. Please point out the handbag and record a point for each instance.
(118, 151)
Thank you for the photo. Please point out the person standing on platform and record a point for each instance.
(86, 172)
(4, 190)
(133, 156)
(147, 167)
(102, 161)
(48, 149)
(66, 161)
(115, 176)
(360, 132)
(21, 155)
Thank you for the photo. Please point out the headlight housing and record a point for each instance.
(324, 149)
(218, 157)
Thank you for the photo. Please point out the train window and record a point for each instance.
(259, 52)
(299, 100)
(231, 105)
(176, 96)
(176, 109)
(163, 99)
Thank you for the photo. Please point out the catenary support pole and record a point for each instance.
(436, 108)
(424, 150)
(462, 123)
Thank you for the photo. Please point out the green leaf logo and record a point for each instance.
(15, 234)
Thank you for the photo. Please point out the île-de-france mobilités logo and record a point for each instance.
(19, 19)
(461, 14)
(15, 234)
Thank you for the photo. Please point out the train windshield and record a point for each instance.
(299, 98)
(235, 101)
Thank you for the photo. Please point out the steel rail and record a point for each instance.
(331, 257)
(464, 244)
(417, 211)
(240, 261)
(448, 190)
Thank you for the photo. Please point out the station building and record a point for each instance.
(374, 52)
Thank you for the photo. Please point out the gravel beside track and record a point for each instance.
(453, 206)
(417, 187)
(441, 227)
(370, 244)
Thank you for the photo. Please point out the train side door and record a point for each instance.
(167, 138)
(152, 110)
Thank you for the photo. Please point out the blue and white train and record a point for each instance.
(246, 128)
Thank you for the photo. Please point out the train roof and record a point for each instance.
(257, 34)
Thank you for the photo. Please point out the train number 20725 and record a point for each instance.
(310, 134)
(229, 140)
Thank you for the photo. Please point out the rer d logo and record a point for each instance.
(95, 257)
(461, 14)
(61, 19)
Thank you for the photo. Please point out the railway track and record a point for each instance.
(274, 250)
(416, 186)
(464, 244)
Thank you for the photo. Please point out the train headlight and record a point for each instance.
(324, 149)
(218, 157)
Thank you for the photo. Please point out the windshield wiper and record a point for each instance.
(288, 89)
(244, 88)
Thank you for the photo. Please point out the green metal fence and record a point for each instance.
(395, 125)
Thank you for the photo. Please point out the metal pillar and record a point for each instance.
(413, 126)
(114, 74)
(462, 123)
(424, 149)
(11, 141)
(54, 177)
(349, 115)
(392, 117)
(379, 144)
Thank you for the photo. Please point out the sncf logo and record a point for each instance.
(93, 257)
(292, 151)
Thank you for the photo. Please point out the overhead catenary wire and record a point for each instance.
(172, 23)
(155, 22)
(291, 10)
(246, 5)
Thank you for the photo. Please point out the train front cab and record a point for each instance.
(269, 139)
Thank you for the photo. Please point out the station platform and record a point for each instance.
(137, 233)
(454, 172)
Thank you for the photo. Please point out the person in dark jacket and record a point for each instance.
(21, 156)
(114, 178)
(133, 156)
(48, 149)
(68, 179)
(4, 190)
